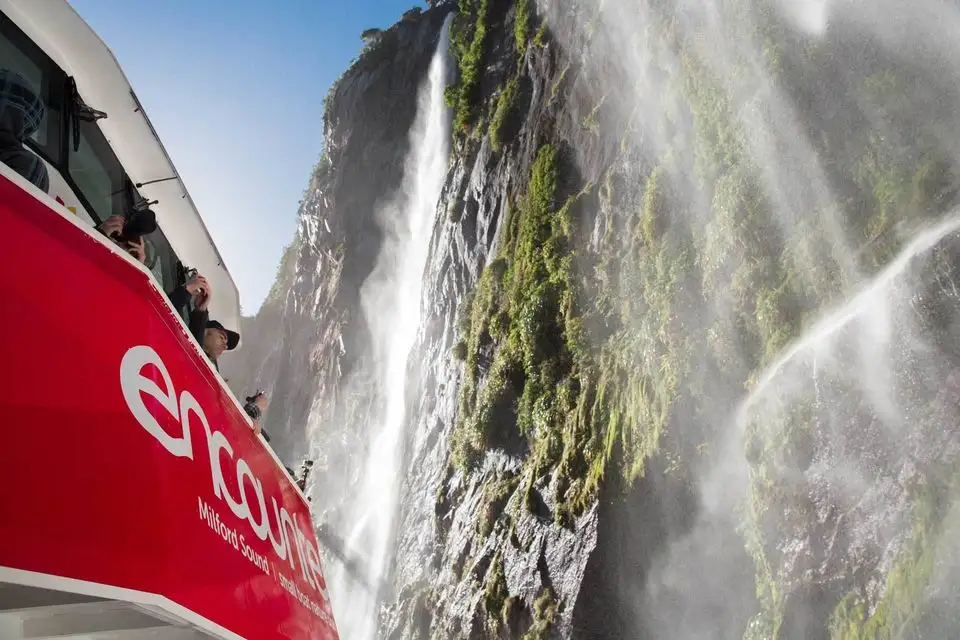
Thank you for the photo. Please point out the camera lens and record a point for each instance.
(138, 224)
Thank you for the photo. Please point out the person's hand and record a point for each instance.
(198, 287)
(137, 250)
(196, 283)
(203, 301)
(112, 226)
(256, 428)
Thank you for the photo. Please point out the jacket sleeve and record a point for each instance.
(198, 324)
(179, 298)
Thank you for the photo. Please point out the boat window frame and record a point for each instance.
(55, 96)
(53, 87)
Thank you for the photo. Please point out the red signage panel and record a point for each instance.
(124, 462)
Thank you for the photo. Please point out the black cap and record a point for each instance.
(233, 338)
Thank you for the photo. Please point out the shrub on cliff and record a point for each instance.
(506, 104)
(371, 34)
(521, 26)
(469, 39)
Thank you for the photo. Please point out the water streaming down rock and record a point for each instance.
(391, 302)
(837, 462)
(784, 176)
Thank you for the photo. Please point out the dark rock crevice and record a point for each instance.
(636, 527)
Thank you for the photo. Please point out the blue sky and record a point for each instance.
(235, 90)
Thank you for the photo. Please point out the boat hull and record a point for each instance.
(126, 464)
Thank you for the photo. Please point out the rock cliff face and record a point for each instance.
(687, 365)
(310, 331)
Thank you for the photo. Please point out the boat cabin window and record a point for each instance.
(97, 172)
(162, 261)
(92, 171)
(19, 54)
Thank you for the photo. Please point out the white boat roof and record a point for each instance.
(60, 31)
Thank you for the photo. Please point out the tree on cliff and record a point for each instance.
(370, 35)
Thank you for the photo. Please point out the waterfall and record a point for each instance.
(391, 301)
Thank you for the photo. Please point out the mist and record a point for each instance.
(861, 401)
(814, 321)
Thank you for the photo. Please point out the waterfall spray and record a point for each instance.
(863, 383)
(831, 485)
(391, 299)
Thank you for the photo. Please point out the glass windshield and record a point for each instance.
(97, 172)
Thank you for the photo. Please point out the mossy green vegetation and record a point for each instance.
(888, 182)
(495, 595)
(510, 611)
(540, 37)
(545, 611)
(469, 39)
(496, 493)
(590, 121)
(511, 289)
(522, 25)
(781, 442)
(558, 83)
(569, 401)
(506, 106)
(904, 601)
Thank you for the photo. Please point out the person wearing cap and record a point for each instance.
(213, 337)
(21, 112)
(217, 339)
(197, 289)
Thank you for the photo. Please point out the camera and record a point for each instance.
(141, 222)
